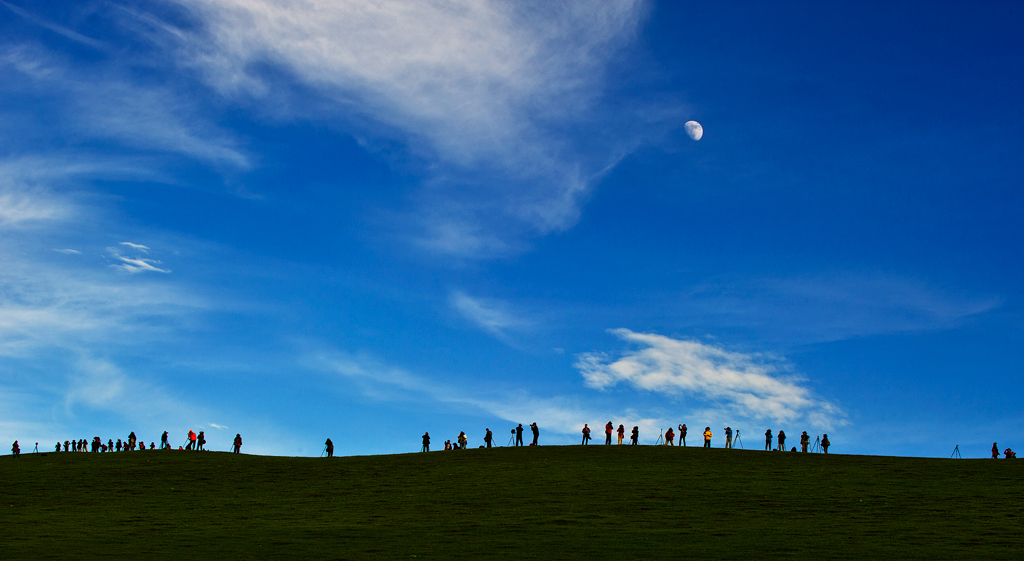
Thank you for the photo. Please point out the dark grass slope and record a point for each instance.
(594, 502)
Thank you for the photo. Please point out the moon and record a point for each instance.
(694, 130)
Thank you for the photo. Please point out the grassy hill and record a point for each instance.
(559, 502)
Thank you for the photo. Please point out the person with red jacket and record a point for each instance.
(608, 433)
(238, 443)
(670, 437)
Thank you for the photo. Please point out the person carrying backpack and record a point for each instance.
(825, 443)
(634, 437)
(670, 437)
(237, 444)
(330, 448)
(201, 439)
(426, 442)
(488, 437)
(805, 440)
(608, 433)
(16, 450)
(463, 441)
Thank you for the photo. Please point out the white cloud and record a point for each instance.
(491, 315)
(486, 90)
(68, 251)
(136, 246)
(744, 385)
(216, 426)
(135, 264)
(59, 29)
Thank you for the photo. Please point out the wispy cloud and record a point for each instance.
(133, 264)
(108, 106)
(486, 91)
(492, 315)
(59, 29)
(68, 251)
(216, 426)
(558, 414)
(746, 385)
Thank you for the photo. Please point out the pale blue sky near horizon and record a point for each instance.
(301, 220)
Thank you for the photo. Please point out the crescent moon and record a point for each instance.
(694, 130)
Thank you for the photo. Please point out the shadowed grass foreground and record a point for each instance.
(558, 502)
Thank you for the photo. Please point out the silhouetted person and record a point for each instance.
(57, 447)
(728, 437)
(782, 441)
(152, 445)
(767, 440)
(621, 431)
(238, 444)
(132, 440)
(463, 441)
(15, 449)
(201, 439)
(330, 448)
(163, 441)
(488, 437)
(110, 445)
(707, 437)
(805, 440)
(634, 436)
(536, 433)
(682, 434)
(119, 445)
(608, 433)
(995, 451)
(825, 443)
(586, 434)
(426, 442)
(519, 435)
(1010, 454)
(670, 437)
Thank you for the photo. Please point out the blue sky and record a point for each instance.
(301, 220)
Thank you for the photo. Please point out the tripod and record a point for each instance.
(737, 439)
(817, 445)
(956, 452)
(661, 437)
(324, 451)
(510, 438)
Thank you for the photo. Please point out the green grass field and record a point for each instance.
(558, 502)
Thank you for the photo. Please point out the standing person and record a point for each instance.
(825, 443)
(132, 440)
(463, 441)
(118, 445)
(192, 440)
(728, 437)
(330, 448)
(586, 434)
(669, 437)
(707, 437)
(634, 436)
(163, 441)
(519, 435)
(622, 433)
(57, 447)
(608, 433)
(767, 440)
(16, 450)
(682, 434)
(426, 442)
(488, 437)
(238, 444)
(782, 441)
(995, 451)
(536, 434)
(201, 439)
(805, 439)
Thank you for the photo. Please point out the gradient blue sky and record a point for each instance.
(302, 219)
